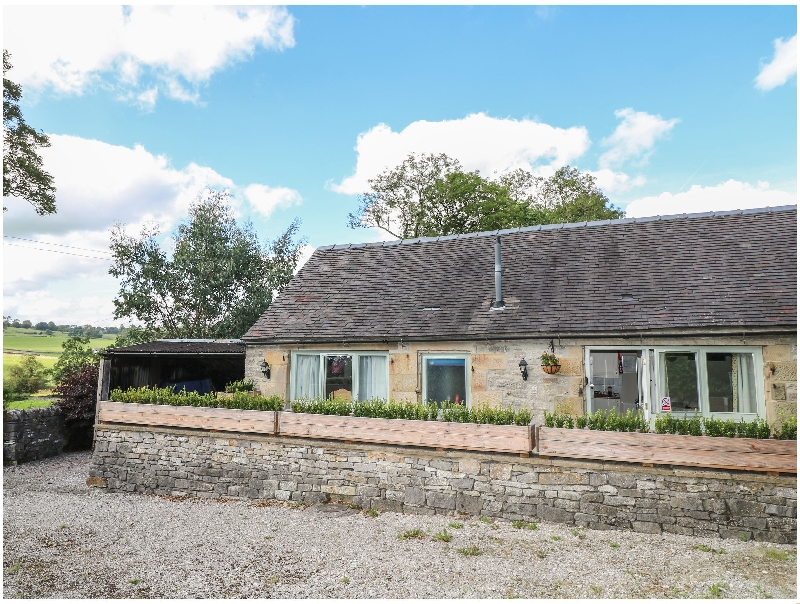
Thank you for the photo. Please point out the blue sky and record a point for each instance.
(673, 109)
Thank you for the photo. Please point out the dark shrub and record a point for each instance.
(77, 396)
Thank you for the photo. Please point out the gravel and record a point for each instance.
(62, 539)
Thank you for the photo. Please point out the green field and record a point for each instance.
(28, 340)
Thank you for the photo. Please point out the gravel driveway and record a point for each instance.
(63, 539)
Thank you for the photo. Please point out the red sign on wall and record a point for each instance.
(666, 404)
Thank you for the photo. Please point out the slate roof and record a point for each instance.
(715, 271)
(182, 347)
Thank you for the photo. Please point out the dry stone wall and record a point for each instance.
(423, 481)
(31, 434)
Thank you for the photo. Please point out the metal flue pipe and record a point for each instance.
(498, 303)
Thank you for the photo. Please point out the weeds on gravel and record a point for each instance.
(134, 581)
(614, 545)
(443, 535)
(776, 554)
(705, 548)
(13, 569)
(456, 525)
(715, 591)
(486, 519)
(472, 550)
(274, 580)
(519, 524)
(596, 589)
(373, 513)
(345, 580)
(541, 554)
(763, 593)
(411, 534)
(555, 538)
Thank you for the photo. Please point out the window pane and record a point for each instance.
(731, 382)
(339, 377)
(446, 380)
(372, 377)
(306, 376)
(680, 377)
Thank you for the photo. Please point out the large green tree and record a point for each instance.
(23, 170)
(431, 195)
(215, 282)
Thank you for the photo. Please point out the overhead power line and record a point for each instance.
(39, 249)
(85, 249)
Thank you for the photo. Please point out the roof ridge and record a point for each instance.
(564, 225)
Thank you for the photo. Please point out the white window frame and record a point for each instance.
(702, 379)
(443, 355)
(354, 354)
(588, 390)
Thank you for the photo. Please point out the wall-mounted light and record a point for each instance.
(523, 368)
(265, 369)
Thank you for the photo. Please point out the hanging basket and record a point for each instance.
(551, 369)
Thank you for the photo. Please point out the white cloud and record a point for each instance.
(181, 46)
(634, 137)
(97, 184)
(609, 181)
(730, 195)
(478, 141)
(781, 68)
(265, 200)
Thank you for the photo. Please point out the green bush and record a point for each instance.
(430, 411)
(166, 396)
(599, 420)
(28, 376)
(666, 423)
(787, 429)
(240, 386)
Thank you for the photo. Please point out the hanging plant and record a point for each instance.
(550, 363)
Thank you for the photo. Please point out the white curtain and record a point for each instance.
(306, 376)
(372, 376)
(745, 383)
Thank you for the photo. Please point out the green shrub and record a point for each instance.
(666, 423)
(166, 396)
(719, 427)
(28, 376)
(240, 386)
(322, 406)
(787, 430)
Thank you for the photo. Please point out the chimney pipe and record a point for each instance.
(498, 303)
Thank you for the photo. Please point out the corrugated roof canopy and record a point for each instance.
(715, 270)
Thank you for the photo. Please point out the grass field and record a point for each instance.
(28, 340)
(34, 401)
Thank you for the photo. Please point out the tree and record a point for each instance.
(76, 400)
(432, 195)
(23, 168)
(216, 282)
(41, 326)
(27, 376)
(77, 353)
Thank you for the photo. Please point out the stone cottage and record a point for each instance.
(683, 313)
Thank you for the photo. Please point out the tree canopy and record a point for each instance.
(431, 195)
(215, 283)
(23, 169)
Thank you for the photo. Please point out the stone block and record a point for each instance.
(780, 352)
(778, 391)
(742, 507)
(446, 501)
(468, 504)
(647, 527)
(96, 481)
(489, 361)
(552, 514)
(500, 471)
(563, 478)
(414, 496)
(784, 372)
(469, 466)
(462, 484)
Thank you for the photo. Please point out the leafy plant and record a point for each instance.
(614, 545)
(373, 513)
(716, 589)
(520, 524)
(443, 535)
(240, 386)
(28, 376)
(472, 550)
(456, 525)
(411, 534)
(166, 396)
(548, 359)
(787, 429)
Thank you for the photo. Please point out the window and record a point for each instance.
(712, 380)
(342, 375)
(444, 378)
